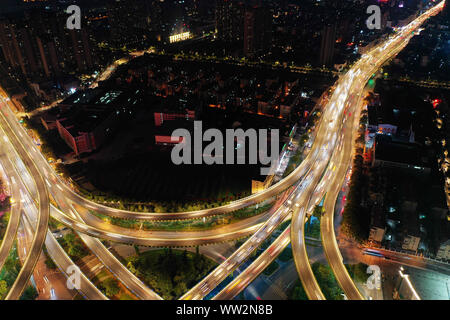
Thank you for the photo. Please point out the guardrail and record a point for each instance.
(408, 253)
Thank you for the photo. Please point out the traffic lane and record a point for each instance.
(55, 251)
(42, 223)
(254, 270)
(96, 222)
(251, 200)
(301, 190)
(183, 240)
(327, 226)
(14, 219)
(330, 242)
(120, 271)
(413, 261)
(239, 256)
(301, 260)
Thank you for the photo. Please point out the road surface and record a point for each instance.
(42, 221)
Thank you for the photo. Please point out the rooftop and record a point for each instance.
(84, 118)
(400, 152)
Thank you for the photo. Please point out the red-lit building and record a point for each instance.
(163, 133)
(86, 128)
(160, 117)
(167, 140)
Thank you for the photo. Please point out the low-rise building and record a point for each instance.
(394, 154)
(411, 243)
(376, 234)
(377, 221)
(163, 132)
(444, 251)
(161, 117)
(48, 121)
(86, 128)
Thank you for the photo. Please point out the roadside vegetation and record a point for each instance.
(170, 272)
(327, 282)
(296, 159)
(297, 292)
(358, 272)
(286, 254)
(49, 261)
(312, 226)
(74, 246)
(30, 293)
(54, 224)
(8, 275)
(70, 242)
(4, 211)
(111, 287)
(356, 217)
(187, 225)
(208, 201)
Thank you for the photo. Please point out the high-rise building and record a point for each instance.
(29, 50)
(257, 30)
(39, 46)
(11, 47)
(43, 53)
(81, 49)
(132, 21)
(327, 45)
(230, 20)
(250, 28)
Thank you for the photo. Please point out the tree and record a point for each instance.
(61, 168)
(185, 257)
(3, 288)
(30, 293)
(358, 272)
(136, 248)
(180, 288)
(111, 287)
(326, 281)
(49, 263)
(74, 246)
(360, 139)
(298, 293)
(317, 211)
(303, 140)
(363, 119)
(131, 267)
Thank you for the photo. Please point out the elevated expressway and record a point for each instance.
(363, 70)
(41, 227)
(15, 215)
(65, 191)
(331, 248)
(310, 172)
(105, 256)
(348, 96)
(314, 165)
(134, 284)
(17, 173)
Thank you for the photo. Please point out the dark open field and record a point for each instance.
(153, 177)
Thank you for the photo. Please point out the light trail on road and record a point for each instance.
(306, 177)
